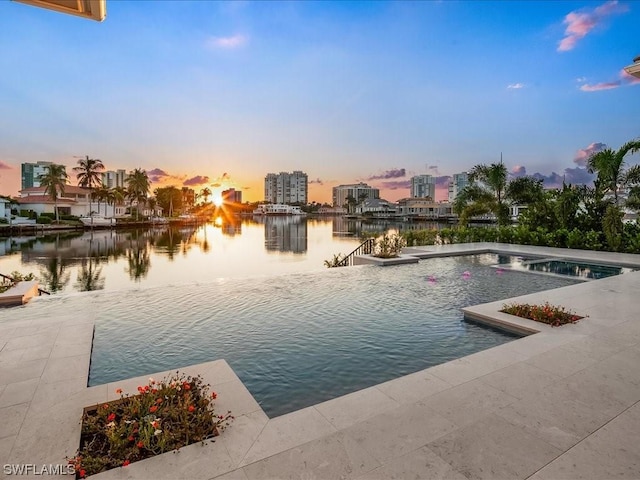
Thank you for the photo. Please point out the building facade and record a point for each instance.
(424, 208)
(231, 196)
(358, 191)
(286, 188)
(114, 178)
(74, 201)
(31, 173)
(423, 186)
(456, 184)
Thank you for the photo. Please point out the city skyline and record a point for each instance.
(219, 94)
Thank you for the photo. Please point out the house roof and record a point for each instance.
(44, 199)
(67, 189)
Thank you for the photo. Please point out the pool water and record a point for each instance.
(553, 266)
(299, 339)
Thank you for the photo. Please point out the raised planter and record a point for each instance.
(371, 260)
(19, 294)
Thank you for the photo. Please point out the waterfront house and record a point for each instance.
(74, 201)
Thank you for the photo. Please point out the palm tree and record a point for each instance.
(54, 275)
(89, 174)
(138, 186)
(54, 180)
(101, 194)
(206, 193)
(609, 165)
(484, 194)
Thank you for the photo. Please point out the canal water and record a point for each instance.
(66, 262)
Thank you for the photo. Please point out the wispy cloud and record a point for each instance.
(581, 22)
(197, 180)
(623, 79)
(317, 181)
(574, 176)
(515, 86)
(227, 43)
(583, 154)
(157, 175)
(5, 166)
(397, 184)
(393, 173)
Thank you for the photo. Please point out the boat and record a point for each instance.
(159, 220)
(278, 209)
(97, 221)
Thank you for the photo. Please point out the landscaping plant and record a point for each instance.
(164, 416)
(549, 314)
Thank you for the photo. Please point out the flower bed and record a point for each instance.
(549, 314)
(164, 416)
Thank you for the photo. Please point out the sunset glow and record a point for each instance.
(218, 94)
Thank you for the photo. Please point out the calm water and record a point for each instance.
(229, 248)
(298, 339)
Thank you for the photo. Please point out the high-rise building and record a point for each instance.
(232, 196)
(357, 191)
(31, 173)
(286, 187)
(114, 178)
(423, 186)
(456, 184)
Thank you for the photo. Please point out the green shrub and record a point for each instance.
(44, 220)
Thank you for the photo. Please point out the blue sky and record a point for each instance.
(219, 94)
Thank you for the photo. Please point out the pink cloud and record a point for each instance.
(583, 154)
(625, 79)
(580, 23)
(4, 166)
(197, 180)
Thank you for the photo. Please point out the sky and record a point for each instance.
(217, 94)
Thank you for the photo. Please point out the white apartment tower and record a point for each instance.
(114, 178)
(357, 191)
(31, 173)
(456, 184)
(286, 187)
(423, 186)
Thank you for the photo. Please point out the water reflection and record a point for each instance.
(226, 247)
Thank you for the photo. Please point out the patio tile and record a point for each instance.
(29, 341)
(18, 392)
(50, 330)
(595, 347)
(474, 366)
(11, 419)
(242, 433)
(561, 362)
(11, 373)
(493, 449)
(288, 431)
(11, 356)
(49, 394)
(65, 351)
(419, 464)
(399, 431)
(349, 409)
(555, 416)
(413, 387)
(469, 402)
(235, 397)
(75, 334)
(6, 444)
(58, 369)
(540, 343)
(198, 460)
(611, 452)
(519, 380)
(36, 353)
(331, 457)
(233, 475)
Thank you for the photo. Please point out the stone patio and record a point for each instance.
(560, 403)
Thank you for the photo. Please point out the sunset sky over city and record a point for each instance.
(219, 94)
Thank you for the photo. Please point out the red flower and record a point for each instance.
(83, 473)
(140, 389)
(140, 444)
(214, 395)
(131, 438)
(192, 408)
(159, 401)
(111, 417)
(105, 406)
(153, 408)
(118, 391)
(186, 386)
(125, 463)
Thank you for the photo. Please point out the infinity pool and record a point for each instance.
(296, 340)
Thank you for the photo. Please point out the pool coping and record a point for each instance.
(42, 394)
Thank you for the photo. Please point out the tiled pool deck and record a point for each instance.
(562, 403)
